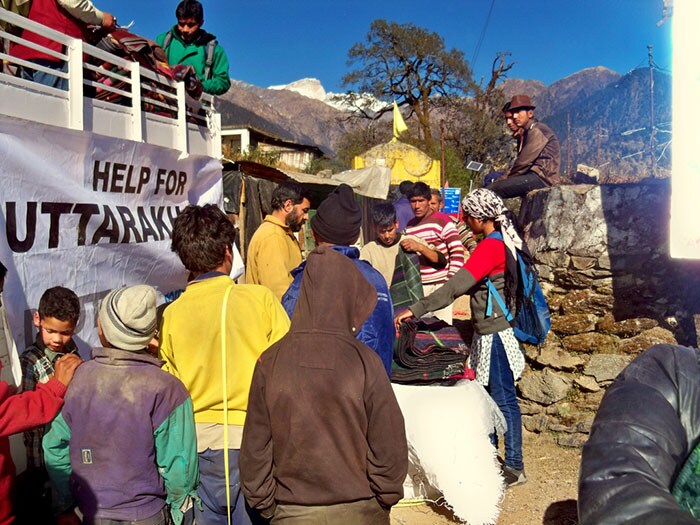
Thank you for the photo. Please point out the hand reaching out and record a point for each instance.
(65, 368)
(109, 22)
(401, 317)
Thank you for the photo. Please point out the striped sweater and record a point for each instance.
(438, 230)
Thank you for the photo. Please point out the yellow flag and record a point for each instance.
(399, 124)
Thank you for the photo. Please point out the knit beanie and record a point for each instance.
(338, 218)
(128, 317)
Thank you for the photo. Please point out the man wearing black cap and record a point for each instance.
(539, 154)
(337, 224)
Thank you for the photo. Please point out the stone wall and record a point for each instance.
(613, 291)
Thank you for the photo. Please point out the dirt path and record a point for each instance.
(548, 498)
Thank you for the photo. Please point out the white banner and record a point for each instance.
(685, 178)
(90, 213)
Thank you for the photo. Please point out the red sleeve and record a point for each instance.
(488, 258)
(30, 409)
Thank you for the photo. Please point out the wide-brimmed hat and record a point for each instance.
(521, 102)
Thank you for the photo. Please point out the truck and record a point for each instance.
(91, 180)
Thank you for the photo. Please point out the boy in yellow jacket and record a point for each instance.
(216, 321)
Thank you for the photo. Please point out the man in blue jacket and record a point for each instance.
(337, 224)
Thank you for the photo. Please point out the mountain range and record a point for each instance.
(608, 115)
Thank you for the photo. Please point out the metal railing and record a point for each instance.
(97, 78)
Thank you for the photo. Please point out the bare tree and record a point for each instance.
(411, 65)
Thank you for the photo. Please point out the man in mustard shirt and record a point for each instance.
(274, 251)
(212, 322)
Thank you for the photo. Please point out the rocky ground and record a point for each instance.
(548, 498)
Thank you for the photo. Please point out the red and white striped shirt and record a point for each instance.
(438, 230)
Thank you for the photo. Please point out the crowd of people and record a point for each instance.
(269, 400)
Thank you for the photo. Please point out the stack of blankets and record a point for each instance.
(429, 351)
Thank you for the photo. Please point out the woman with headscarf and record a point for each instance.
(495, 352)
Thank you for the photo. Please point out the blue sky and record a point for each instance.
(278, 41)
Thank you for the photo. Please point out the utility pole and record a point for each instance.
(651, 111)
(443, 176)
(600, 132)
(568, 143)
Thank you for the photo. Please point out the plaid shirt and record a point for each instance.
(37, 367)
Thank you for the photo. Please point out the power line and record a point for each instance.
(483, 33)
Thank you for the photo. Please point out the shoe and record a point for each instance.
(513, 477)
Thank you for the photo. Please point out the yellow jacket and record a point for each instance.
(191, 343)
(272, 254)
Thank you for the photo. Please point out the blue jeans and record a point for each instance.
(46, 78)
(502, 389)
(212, 490)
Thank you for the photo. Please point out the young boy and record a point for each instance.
(400, 269)
(212, 311)
(56, 319)
(24, 411)
(124, 444)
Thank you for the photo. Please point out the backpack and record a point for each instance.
(209, 61)
(532, 322)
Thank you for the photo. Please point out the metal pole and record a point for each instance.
(568, 144)
(651, 111)
(442, 156)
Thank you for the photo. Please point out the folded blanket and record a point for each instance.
(406, 285)
(429, 351)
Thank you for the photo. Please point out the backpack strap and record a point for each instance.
(166, 41)
(211, 46)
(493, 294)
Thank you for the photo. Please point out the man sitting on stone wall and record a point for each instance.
(539, 154)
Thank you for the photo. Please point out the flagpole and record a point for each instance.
(442, 164)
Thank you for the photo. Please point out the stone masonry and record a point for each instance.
(613, 291)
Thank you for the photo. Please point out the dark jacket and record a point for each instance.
(323, 425)
(647, 425)
(378, 331)
(538, 152)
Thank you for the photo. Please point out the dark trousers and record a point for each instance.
(518, 186)
(365, 512)
(212, 490)
(32, 498)
(162, 518)
(502, 389)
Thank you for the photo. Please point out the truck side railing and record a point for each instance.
(105, 94)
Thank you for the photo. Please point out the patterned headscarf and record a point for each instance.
(485, 204)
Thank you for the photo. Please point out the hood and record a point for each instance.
(334, 295)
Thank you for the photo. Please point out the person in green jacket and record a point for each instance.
(188, 44)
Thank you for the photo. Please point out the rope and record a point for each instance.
(224, 379)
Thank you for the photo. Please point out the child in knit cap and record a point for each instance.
(132, 456)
